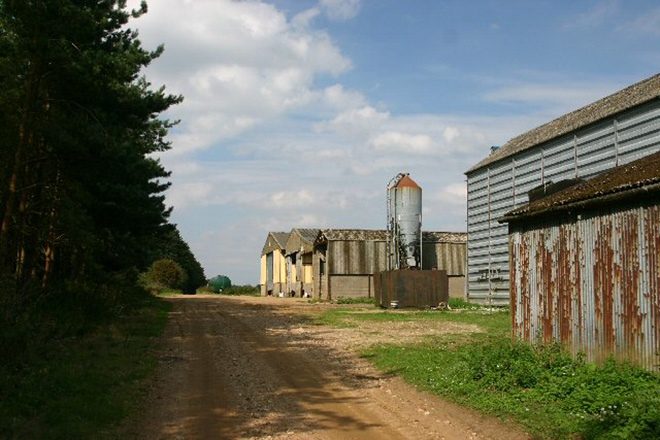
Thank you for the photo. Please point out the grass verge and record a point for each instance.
(82, 387)
(551, 394)
(355, 300)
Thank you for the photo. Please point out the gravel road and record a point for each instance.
(258, 368)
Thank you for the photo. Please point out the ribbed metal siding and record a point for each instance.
(591, 283)
(502, 186)
(368, 257)
(356, 257)
(450, 257)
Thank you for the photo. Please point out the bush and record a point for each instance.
(164, 274)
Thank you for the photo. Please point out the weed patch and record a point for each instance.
(543, 388)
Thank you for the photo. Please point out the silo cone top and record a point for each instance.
(406, 181)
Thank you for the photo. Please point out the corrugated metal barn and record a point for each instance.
(585, 265)
(299, 248)
(273, 264)
(345, 260)
(612, 131)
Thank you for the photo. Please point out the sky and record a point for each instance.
(297, 113)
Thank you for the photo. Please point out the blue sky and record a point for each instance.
(298, 112)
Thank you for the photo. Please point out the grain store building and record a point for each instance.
(299, 248)
(345, 260)
(610, 132)
(273, 264)
(585, 265)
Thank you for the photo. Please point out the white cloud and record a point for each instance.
(238, 64)
(595, 16)
(647, 23)
(393, 141)
(340, 9)
(188, 194)
(564, 96)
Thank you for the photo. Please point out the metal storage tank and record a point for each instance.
(404, 212)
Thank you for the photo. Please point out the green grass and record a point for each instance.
(355, 300)
(242, 290)
(548, 392)
(83, 387)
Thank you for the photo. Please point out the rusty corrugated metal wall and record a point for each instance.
(592, 283)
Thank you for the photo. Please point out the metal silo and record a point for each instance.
(404, 223)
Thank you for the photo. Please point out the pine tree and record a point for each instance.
(81, 193)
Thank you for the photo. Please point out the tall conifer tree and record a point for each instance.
(81, 193)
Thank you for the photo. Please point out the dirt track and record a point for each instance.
(256, 368)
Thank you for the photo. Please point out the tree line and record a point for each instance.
(81, 193)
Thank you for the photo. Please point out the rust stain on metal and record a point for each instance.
(591, 283)
(526, 294)
(630, 269)
(566, 284)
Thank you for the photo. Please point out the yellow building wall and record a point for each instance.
(277, 264)
(307, 269)
(294, 273)
(283, 276)
(263, 270)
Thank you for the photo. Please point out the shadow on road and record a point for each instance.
(231, 369)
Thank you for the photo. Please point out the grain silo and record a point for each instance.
(404, 222)
(404, 283)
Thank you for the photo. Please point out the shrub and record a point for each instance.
(164, 274)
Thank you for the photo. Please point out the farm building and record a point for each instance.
(299, 248)
(585, 265)
(345, 260)
(273, 264)
(610, 132)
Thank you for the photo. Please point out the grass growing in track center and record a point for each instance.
(551, 394)
(82, 387)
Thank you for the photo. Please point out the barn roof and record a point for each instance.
(638, 178)
(301, 239)
(280, 238)
(353, 234)
(381, 235)
(275, 240)
(629, 97)
(444, 237)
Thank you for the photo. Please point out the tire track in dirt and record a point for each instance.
(256, 368)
